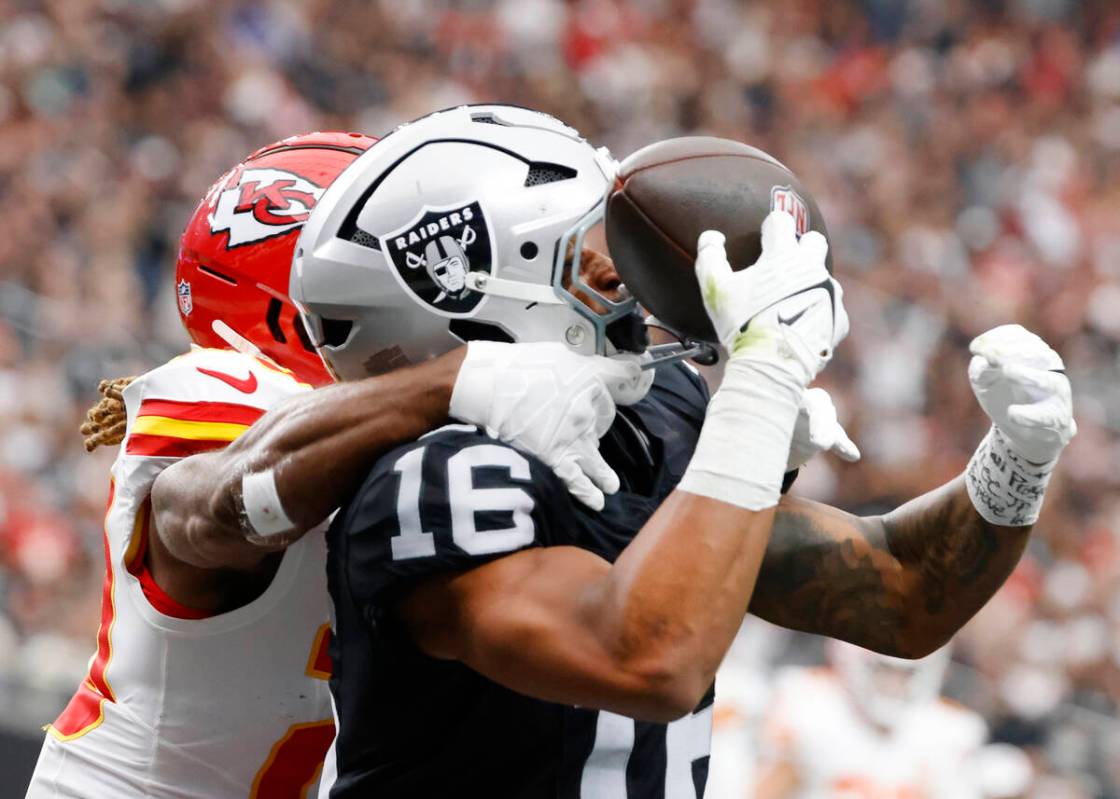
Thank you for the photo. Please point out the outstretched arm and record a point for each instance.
(313, 444)
(901, 584)
(311, 451)
(644, 636)
(905, 582)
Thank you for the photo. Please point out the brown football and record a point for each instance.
(668, 193)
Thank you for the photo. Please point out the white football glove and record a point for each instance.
(818, 430)
(779, 320)
(784, 309)
(550, 402)
(1014, 376)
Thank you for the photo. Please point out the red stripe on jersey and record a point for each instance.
(169, 447)
(138, 567)
(201, 411)
(84, 711)
(294, 762)
(108, 616)
(319, 664)
(159, 600)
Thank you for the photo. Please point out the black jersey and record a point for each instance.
(413, 726)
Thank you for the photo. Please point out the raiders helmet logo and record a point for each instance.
(256, 204)
(433, 253)
(784, 198)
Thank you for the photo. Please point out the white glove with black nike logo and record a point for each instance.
(1019, 382)
(785, 308)
(780, 320)
(550, 402)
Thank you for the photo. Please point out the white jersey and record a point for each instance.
(175, 703)
(837, 754)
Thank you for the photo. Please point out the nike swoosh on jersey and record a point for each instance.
(246, 385)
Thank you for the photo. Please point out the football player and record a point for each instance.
(209, 678)
(494, 638)
(874, 727)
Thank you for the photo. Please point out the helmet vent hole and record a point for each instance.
(214, 273)
(486, 119)
(336, 331)
(365, 239)
(529, 250)
(470, 330)
(272, 317)
(301, 331)
(541, 173)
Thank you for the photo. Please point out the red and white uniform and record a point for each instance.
(178, 703)
(814, 726)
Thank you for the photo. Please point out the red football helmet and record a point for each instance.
(235, 255)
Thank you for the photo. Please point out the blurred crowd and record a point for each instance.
(966, 156)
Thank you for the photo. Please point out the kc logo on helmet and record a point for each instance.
(256, 204)
(433, 253)
(784, 198)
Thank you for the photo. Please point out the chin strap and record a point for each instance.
(685, 348)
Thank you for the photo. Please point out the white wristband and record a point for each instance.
(741, 456)
(1005, 488)
(473, 393)
(262, 504)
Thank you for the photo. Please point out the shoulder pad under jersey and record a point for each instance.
(201, 401)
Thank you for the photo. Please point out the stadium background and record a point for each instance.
(965, 154)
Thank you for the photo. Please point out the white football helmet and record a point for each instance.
(465, 224)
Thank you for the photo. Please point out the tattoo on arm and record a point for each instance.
(901, 584)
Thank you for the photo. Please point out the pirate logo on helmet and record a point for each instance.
(433, 254)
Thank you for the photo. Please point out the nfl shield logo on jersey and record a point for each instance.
(433, 254)
(784, 198)
(186, 303)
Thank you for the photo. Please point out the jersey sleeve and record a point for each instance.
(200, 401)
(451, 501)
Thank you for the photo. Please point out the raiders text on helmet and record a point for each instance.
(465, 224)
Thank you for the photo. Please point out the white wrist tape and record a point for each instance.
(1006, 488)
(262, 504)
(744, 444)
(473, 393)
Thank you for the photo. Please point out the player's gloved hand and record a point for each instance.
(785, 309)
(1017, 380)
(779, 320)
(818, 430)
(548, 401)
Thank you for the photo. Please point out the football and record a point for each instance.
(668, 193)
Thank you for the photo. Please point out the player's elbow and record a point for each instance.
(909, 644)
(922, 643)
(671, 702)
(667, 690)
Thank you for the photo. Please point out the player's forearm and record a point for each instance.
(322, 449)
(316, 446)
(673, 601)
(952, 560)
(901, 584)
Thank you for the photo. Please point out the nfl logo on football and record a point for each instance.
(784, 198)
(186, 304)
